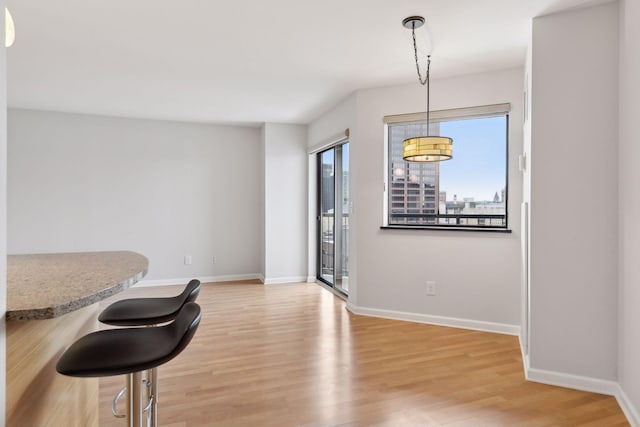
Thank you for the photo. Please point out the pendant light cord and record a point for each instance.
(415, 53)
(427, 81)
(422, 81)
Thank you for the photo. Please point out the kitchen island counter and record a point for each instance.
(51, 302)
(44, 286)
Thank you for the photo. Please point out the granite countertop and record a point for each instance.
(44, 286)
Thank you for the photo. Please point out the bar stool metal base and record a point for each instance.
(135, 408)
(139, 402)
(153, 396)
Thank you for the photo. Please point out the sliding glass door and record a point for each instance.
(333, 217)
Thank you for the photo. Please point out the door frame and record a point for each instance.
(337, 201)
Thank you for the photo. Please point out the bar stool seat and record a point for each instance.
(148, 311)
(123, 351)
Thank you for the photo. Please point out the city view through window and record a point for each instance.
(333, 217)
(469, 190)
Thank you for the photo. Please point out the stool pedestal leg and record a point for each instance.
(134, 400)
(153, 410)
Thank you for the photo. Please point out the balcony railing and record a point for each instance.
(327, 243)
(450, 220)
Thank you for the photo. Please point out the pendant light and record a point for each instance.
(10, 29)
(428, 148)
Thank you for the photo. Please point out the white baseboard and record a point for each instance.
(225, 278)
(311, 279)
(578, 382)
(593, 385)
(283, 280)
(476, 325)
(525, 357)
(630, 411)
(203, 279)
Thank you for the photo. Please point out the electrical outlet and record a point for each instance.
(431, 288)
(187, 260)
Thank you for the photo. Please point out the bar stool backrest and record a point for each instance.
(185, 325)
(191, 291)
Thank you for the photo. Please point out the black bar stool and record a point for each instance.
(148, 312)
(130, 351)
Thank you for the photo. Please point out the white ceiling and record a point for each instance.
(250, 61)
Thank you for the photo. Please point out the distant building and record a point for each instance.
(442, 202)
(414, 187)
(328, 195)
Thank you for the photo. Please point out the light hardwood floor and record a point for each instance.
(292, 355)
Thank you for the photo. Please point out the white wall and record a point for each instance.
(629, 203)
(526, 198)
(285, 203)
(477, 273)
(164, 189)
(262, 213)
(3, 219)
(573, 245)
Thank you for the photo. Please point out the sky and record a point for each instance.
(478, 166)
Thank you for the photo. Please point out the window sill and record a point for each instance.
(445, 228)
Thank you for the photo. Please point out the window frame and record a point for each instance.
(477, 112)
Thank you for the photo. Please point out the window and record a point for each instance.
(468, 191)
